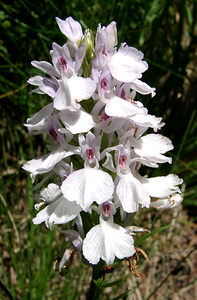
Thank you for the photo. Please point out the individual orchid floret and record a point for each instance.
(47, 162)
(89, 184)
(107, 240)
(161, 186)
(63, 62)
(59, 211)
(48, 195)
(129, 191)
(45, 122)
(90, 147)
(169, 202)
(104, 85)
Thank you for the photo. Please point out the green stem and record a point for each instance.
(94, 290)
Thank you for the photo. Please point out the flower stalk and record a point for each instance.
(94, 291)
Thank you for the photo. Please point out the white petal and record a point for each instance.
(107, 241)
(170, 202)
(88, 185)
(70, 28)
(152, 145)
(81, 88)
(50, 193)
(72, 91)
(63, 98)
(130, 192)
(142, 88)
(120, 108)
(39, 120)
(52, 159)
(49, 90)
(108, 164)
(59, 212)
(162, 186)
(147, 120)
(32, 166)
(112, 35)
(77, 121)
(126, 64)
(93, 244)
(45, 67)
(36, 80)
(45, 163)
(59, 52)
(79, 56)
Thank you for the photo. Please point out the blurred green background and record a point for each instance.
(166, 32)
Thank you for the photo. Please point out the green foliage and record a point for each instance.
(166, 32)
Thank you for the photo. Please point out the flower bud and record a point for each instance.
(89, 41)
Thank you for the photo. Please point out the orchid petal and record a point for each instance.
(46, 162)
(59, 212)
(117, 107)
(161, 186)
(107, 241)
(126, 64)
(77, 121)
(50, 193)
(88, 185)
(40, 119)
(142, 88)
(70, 28)
(130, 192)
(153, 146)
(45, 67)
(81, 88)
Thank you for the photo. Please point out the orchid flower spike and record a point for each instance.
(90, 179)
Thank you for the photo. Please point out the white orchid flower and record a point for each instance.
(169, 202)
(59, 211)
(47, 162)
(107, 240)
(161, 186)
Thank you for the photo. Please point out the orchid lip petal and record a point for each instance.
(107, 241)
(88, 185)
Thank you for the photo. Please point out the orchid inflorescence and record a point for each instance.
(97, 144)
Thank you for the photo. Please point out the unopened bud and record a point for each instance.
(89, 41)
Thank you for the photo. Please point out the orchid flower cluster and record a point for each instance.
(97, 144)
